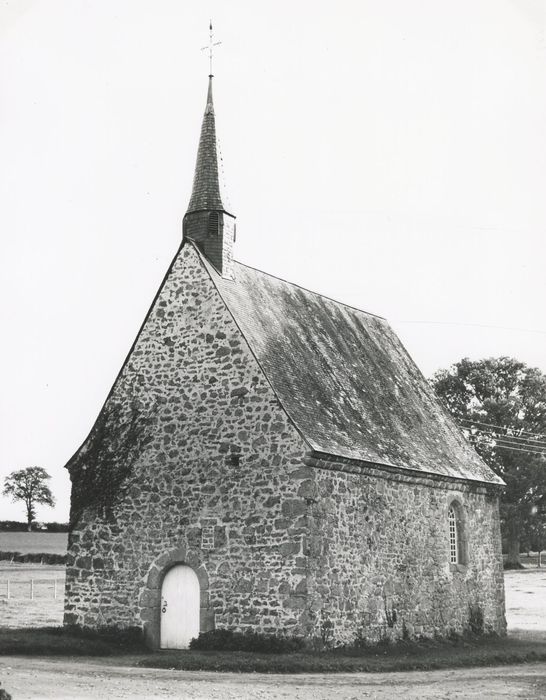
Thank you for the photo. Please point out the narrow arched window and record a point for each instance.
(453, 536)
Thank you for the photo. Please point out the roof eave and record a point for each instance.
(318, 458)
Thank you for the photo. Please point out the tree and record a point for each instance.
(29, 485)
(500, 404)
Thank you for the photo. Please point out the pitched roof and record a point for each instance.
(345, 379)
(206, 188)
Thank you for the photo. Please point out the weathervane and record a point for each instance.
(210, 47)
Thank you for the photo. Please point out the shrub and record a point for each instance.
(18, 526)
(118, 637)
(72, 641)
(226, 640)
(34, 557)
(475, 619)
(512, 565)
(406, 636)
(56, 527)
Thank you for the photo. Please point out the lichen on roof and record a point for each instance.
(345, 379)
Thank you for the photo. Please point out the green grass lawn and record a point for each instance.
(425, 655)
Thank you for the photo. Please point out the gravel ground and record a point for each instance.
(34, 679)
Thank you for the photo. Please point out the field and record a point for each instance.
(34, 542)
(31, 595)
(36, 595)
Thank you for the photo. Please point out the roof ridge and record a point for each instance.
(311, 291)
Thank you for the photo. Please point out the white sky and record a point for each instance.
(387, 153)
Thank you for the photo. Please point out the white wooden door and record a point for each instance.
(180, 602)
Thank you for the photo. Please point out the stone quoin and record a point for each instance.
(286, 448)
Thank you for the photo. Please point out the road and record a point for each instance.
(62, 679)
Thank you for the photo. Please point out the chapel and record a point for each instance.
(269, 459)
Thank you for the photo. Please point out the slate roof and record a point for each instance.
(206, 189)
(345, 379)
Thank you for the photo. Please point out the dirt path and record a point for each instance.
(34, 679)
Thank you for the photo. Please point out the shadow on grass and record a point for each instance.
(69, 641)
(408, 656)
(126, 649)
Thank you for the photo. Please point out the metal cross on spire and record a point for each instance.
(210, 47)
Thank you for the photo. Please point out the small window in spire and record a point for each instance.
(214, 224)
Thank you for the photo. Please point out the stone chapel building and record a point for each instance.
(269, 459)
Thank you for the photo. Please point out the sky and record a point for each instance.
(390, 154)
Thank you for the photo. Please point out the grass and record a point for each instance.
(64, 641)
(20, 610)
(34, 542)
(128, 651)
(414, 656)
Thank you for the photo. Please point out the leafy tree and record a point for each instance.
(29, 485)
(501, 405)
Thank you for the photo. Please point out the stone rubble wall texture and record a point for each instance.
(282, 542)
(379, 553)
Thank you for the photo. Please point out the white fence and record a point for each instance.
(31, 589)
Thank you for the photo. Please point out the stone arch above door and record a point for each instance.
(150, 598)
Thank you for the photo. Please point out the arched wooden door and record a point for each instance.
(180, 602)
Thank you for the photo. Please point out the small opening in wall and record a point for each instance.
(213, 223)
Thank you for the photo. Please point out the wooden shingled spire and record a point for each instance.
(206, 221)
(206, 183)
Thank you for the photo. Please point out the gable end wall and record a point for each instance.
(281, 542)
(217, 486)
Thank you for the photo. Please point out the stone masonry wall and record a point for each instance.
(193, 460)
(379, 554)
(212, 485)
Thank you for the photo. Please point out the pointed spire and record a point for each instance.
(206, 221)
(206, 186)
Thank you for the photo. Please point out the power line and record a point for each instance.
(517, 449)
(521, 449)
(530, 448)
(517, 441)
(500, 440)
(502, 427)
(516, 446)
(475, 325)
(523, 442)
(506, 442)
